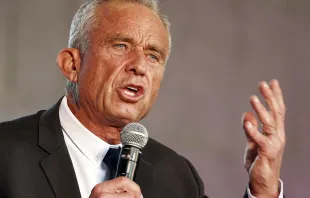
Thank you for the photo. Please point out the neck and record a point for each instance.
(109, 134)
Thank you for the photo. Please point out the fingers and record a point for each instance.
(273, 95)
(120, 186)
(120, 183)
(249, 117)
(273, 120)
(275, 87)
(258, 138)
(280, 112)
(264, 116)
(264, 162)
(269, 96)
(112, 195)
(251, 150)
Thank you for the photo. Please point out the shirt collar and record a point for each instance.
(89, 144)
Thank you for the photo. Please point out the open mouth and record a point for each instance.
(131, 93)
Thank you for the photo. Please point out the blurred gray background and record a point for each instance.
(221, 50)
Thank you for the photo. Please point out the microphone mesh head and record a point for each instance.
(134, 134)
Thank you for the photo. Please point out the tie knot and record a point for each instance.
(113, 152)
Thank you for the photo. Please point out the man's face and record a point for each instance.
(121, 73)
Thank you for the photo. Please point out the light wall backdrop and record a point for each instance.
(221, 50)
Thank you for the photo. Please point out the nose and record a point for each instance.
(136, 63)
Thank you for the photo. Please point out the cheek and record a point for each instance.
(158, 77)
(93, 79)
(156, 82)
(85, 80)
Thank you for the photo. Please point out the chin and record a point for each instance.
(128, 113)
(125, 116)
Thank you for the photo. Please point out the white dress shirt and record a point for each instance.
(87, 151)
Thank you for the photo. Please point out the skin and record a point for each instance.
(130, 45)
(120, 187)
(264, 152)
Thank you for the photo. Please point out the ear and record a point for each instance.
(69, 62)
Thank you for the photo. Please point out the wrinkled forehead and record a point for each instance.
(132, 18)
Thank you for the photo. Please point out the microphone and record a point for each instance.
(134, 137)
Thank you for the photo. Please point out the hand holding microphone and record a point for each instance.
(134, 137)
(120, 187)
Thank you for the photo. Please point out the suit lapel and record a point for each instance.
(58, 166)
(144, 177)
(59, 171)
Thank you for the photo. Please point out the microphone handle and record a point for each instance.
(128, 162)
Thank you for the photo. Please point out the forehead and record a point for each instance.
(133, 19)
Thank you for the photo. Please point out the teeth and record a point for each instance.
(132, 88)
(129, 93)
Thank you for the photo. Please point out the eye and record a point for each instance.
(120, 46)
(154, 57)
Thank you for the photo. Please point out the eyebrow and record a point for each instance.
(120, 38)
(124, 38)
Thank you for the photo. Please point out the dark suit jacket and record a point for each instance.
(35, 163)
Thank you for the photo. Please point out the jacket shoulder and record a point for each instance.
(15, 129)
(158, 151)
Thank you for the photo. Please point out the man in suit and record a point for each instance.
(114, 66)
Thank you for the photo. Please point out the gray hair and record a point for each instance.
(85, 19)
